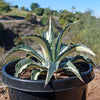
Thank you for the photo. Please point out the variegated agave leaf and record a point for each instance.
(52, 67)
(27, 63)
(51, 39)
(44, 35)
(74, 48)
(36, 73)
(49, 36)
(63, 48)
(40, 53)
(44, 45)
(70, 67)
(28, 50)
(82, 58)
(60, 36)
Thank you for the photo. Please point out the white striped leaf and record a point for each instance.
(63, 48)
(74, 48)
(52, 67)
(44, 45)
(28, 50)
(36, 73)
(82, 58)
(44, 35)
(50, 37)
(27, 63)
(60, 36)
(70, 67)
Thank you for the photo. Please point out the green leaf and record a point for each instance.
(44, 45)
(52, 67)
(36, 73)
(44, 35)
(40, 53)
(60, 36)
(63, 48)
(51, 39)
(27, 63)
(28, 50)
(82, 58)
(51, 35)
(74, 48)
(70, 67)
(53, 49)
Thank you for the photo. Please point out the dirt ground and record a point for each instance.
(92, 94)
(94, 87)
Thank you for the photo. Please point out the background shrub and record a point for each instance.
(44, 20)
(30, 18)
(39, 11)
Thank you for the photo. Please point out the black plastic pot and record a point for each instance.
(63, 89)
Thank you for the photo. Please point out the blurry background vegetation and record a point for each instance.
(86, 32)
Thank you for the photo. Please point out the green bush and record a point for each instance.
(34, 5)
(16, 6)
(44, 20)
(39, 11)
(47, 11)
(4, 6)
(30, 18)
(22, 8)
(27, 17)
(54, 13)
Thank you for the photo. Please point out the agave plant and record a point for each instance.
(49, 61)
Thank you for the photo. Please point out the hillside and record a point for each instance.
(16, 12)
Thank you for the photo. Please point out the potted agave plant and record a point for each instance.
(54, 75)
